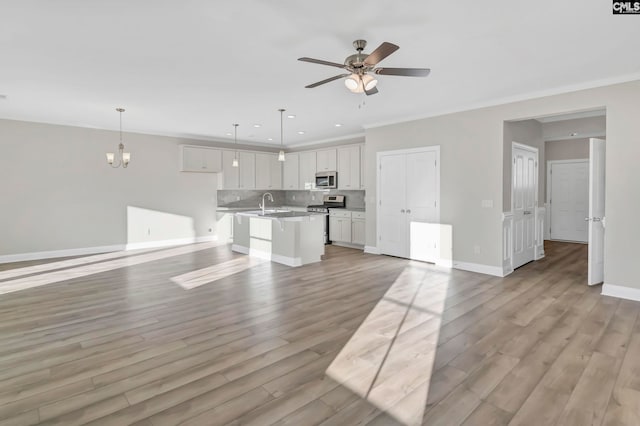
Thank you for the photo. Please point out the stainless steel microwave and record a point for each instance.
(326, 180)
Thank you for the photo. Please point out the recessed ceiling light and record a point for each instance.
(574, 134)
(338, 125)
(229, 134)
(257, 125)
(301, 132)
(269, 139)
(291, 116)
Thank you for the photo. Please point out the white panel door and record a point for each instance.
(569, 199)
(596, 210)
(421, 208)
(393, 217)
(524, 199)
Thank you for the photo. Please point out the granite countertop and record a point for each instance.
(235, 209)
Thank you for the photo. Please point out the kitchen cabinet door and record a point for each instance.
(349, 167)
(230, 174)
(247, 170)
(291, 179)
(326, 160)
(307, 170)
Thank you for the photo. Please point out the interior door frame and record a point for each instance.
(548, 184)
(379, 155)
(536, 151)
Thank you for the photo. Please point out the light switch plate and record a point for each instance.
(487, 204)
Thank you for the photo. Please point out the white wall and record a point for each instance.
(570, 149)
(58, 192)
(585, 127)
(472, 170)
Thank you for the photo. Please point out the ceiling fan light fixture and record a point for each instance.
(369, 82)
(352, 82)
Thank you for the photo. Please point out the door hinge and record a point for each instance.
(435, 204)
(380, 166)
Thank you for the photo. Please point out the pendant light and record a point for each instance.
(123, 157)
(281, 153)
(235, 141)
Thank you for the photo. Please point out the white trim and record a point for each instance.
(83, 251)
(380, 154)
(621, 292)
(265, 255)
(371, 250)
(172, 242)
(496, 271)
(446, 263)
(518, 98)
(523, 147)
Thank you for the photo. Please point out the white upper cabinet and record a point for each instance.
(230, 174)
(268, 171)
(200, 159)
(307, 170)
(326, 160)
(290, 170)
(349, 167)
(247, 170)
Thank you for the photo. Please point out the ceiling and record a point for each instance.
(192, 68)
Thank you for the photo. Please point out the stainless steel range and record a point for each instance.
(328, 201)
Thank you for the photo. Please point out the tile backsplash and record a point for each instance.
(248, 198)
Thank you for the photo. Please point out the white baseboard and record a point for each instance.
(621, 292)
(172, 242)
(84, 251)
(51, 254)
(285, 260)
(496, 271)
(371, 250)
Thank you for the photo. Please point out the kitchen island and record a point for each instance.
(287, 237)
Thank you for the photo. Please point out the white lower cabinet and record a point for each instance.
(346, 226)
(358, 228)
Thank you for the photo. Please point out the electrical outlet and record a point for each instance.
(487, 204)
(149, 231)
(313, 198)
(476, 249)
(293, 197)
(238, 198)
(210, 230)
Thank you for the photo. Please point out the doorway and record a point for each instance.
(568, 199)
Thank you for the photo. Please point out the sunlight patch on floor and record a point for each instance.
(389, 359)
(96, 268)
(216, 272)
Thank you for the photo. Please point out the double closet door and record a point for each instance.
(408, 205)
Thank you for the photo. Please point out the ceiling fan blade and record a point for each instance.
(321, 62)
(406, 72)
(371, 92)
(384, 50)
(328, 80)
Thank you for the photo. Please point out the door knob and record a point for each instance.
(596, 219)
(586, 219)
(402, 211)
(408, 211)
(526, 212)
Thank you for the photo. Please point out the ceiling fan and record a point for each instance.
(361, 65)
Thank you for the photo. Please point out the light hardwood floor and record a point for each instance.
(130, 345)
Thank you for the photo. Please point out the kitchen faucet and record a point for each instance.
(263, 202)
